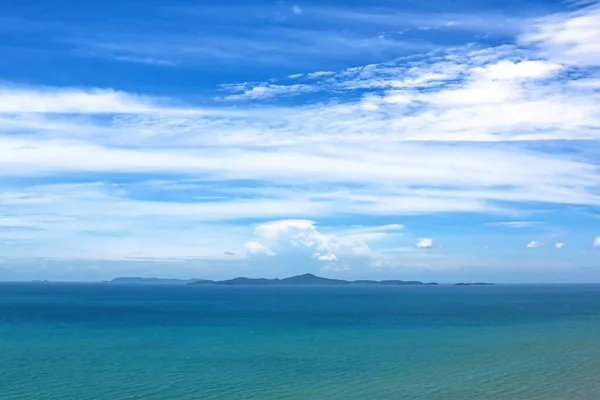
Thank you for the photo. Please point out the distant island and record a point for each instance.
(473, 284)
(298, 280)
(305, 280)
(152, 280)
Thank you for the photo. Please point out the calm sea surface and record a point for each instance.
(117, 341)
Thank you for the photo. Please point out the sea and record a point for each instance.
(151, 341)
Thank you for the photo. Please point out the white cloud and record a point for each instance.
(253, 248)
(596, 243)
(424, 243)
(325, 257)
(560, 245)
(572, 37)
(373, 231)
(534, 176)
(269, 91)
(491, 95)
(302, 232)
(320, 74)
(533, 244)
(297, 10)
(90, 101)
(506, 70)
(304, 235)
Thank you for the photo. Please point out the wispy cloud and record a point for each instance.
(52, 100)
(404, 21)
(264, 45)
(515, 224)
(265, 91)
(424, 243)
(147, 60)
(254, 248)
(184, 35)
(534, 244)
(472, 129)
(572, 38)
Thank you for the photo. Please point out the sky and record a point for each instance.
(440, 141)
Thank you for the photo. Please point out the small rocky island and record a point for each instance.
(473, 284)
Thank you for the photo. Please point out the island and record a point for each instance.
(473, 284)
(305, 280)
(152, 280)
(298, 280)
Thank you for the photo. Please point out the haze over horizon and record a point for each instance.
(392, 140)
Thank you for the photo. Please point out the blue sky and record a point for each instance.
(441, 140)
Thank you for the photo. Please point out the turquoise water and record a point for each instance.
(103, 341)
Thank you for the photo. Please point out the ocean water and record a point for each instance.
(112, 341)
